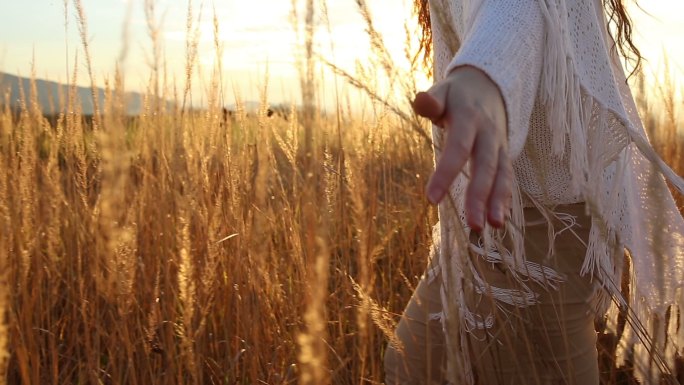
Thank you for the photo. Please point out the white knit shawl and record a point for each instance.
(558, 54)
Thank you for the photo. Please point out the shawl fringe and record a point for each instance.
(598, 175)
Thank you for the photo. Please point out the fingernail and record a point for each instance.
(477, 223)
(498, 216)
(434, 195)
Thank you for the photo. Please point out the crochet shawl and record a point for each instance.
(558, 54)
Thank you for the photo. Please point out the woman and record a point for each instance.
(544, 179)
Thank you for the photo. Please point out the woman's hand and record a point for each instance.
(468, 105)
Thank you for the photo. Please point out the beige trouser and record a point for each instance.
(552, 342)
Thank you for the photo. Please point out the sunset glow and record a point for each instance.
(258, 39)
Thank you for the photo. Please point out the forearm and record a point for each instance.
(504, 40)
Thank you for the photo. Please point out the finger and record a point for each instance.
(458, 144)
(484, 167)
(431, 104)
(500, 198)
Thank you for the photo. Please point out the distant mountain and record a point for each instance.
(49, 95)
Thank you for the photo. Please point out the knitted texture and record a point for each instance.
(574, 136)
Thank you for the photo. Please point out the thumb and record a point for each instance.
(431, 104)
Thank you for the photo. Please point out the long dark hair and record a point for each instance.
(618, 19)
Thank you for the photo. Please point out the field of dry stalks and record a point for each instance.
(182, 248)
(191, 247)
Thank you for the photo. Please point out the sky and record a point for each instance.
(257, 37)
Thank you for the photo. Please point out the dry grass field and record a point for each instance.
(189, 247)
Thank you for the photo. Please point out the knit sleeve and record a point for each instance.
(504, 38)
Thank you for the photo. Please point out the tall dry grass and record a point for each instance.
(189, 247)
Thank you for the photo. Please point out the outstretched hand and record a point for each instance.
(468, 105)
